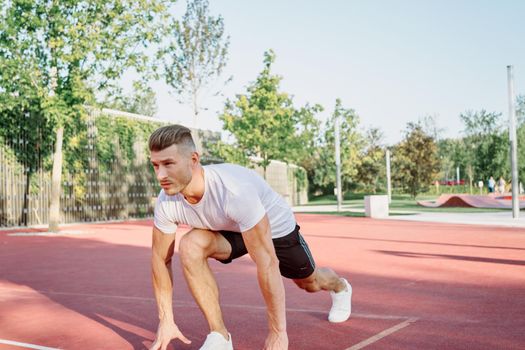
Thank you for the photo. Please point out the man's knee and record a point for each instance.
(194, 245)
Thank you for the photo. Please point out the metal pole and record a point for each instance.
(513, 144)
(388, 183)
(457, 175)
(338, 161)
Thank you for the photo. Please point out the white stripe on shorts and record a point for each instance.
(307, 250)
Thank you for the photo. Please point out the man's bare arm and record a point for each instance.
(163, 246)
(259, 244)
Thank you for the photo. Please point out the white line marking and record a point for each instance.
(25, 345)
(358, 346)
(186, 304)
(78, 294)
(354, 315)
(382, 334)
(45, 233)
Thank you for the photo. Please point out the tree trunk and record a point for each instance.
(25, 207)
(195, 108)
(54, 206)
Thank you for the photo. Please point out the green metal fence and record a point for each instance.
(106, 172)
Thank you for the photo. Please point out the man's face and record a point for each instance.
(173, 168)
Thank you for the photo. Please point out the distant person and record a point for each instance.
(491, 185)
(232, 212)
(501, 185)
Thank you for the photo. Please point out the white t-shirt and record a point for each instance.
(235, 199)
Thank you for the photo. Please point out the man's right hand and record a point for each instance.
(166, 332)
(276, 341)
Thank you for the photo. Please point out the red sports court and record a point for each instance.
(416, 286)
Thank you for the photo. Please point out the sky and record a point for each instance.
(392, 61)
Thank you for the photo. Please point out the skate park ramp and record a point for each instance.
(472, 201)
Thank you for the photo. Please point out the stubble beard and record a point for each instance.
(176, 188)
(173, 189)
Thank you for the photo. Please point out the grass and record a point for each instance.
(401, 205)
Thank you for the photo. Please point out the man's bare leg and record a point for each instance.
(195, 248)
(340, 292)
(322, 279)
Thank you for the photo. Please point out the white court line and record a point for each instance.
(382, 334)
(45, 233)
(358, 346)
(25, 345)
(190, 304)
(78, 294)
(354, 315)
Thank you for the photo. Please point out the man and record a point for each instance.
(491, 184)
(232, 211)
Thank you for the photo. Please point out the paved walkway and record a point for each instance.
(492, 218)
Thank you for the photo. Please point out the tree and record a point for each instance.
(520, 114)
(430, 127)
(480, 123)
(351, 143)
(306, 149)
(55, 54)
(265, 124)
(372, 167)
(415, 163)
(22, 128)
(453, 153)
(520, 109)
(141, 101)
(197, 53)
(487, 144)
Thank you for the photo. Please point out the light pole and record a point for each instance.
(338, 161)
(388, 183)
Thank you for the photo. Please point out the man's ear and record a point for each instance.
(195, 158)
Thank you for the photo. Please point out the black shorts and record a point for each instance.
(295, 259)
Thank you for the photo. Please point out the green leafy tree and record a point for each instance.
(305, 150)
(415, 161)
(520, 114)
(452, 153)
(197, 53)
(142, 100)
(430, 126)
(487, 144)
(55, 54)
(372, 168)
(265, 124)
(480, 123)
(351, 143)
(520, 109)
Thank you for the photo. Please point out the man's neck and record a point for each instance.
(194, 192)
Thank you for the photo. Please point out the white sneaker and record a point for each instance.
(216, 341)
(341, 304)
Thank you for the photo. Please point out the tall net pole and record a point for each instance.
(513, 143)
